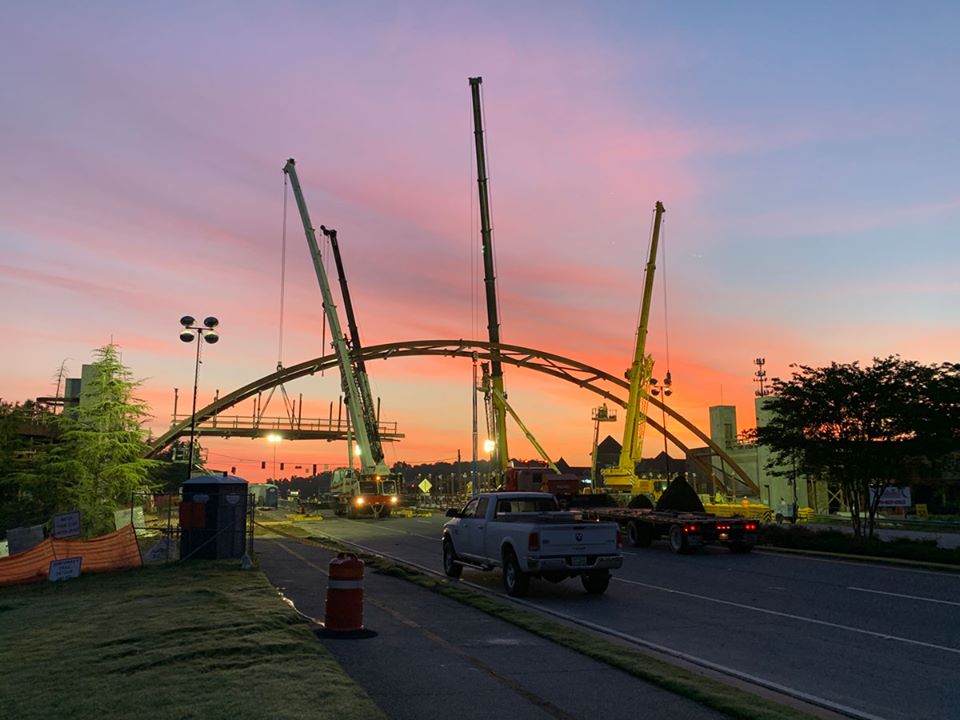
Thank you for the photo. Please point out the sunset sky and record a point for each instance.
(807, 155)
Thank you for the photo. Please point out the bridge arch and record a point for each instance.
(563, 368)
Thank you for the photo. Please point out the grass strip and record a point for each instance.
(175, 642)
(714, 694)
(837, 542)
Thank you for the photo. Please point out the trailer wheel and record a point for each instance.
(515, 581)
(740, 547)
(678, 541)
(450, 565)
(596, 582)
(639, 534)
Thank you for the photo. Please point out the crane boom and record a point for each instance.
(490, 281)
(369, 465)
(360, 370)
(623, 476)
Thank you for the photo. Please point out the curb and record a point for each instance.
(860, 558)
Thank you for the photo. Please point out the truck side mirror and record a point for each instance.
(453, 512)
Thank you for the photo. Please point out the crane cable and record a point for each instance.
(283, 273)
(666, 326)
(493, 245)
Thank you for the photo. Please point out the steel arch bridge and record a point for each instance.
(563, 368)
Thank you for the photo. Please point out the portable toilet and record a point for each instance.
(213, 517)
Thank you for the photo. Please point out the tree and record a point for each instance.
(864, 428)
(26, 431)
(98, 463)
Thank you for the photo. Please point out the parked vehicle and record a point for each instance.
(685, 530)
(527, 535)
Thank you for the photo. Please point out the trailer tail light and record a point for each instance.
(689, 528)
(533, 542)
(752, 527)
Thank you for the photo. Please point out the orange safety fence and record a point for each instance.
(117, 551)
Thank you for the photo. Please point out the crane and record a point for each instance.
(372, 490)
(623, 476)
(490, 284)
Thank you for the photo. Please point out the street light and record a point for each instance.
(274, 439)
(204, 333)
(666, 391)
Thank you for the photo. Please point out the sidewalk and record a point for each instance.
(435, 659)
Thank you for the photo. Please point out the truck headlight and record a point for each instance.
(358, 501)
(394, 499)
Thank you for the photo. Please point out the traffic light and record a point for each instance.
(263, 464)
(281, 466)
(314, 468)
(233, 470)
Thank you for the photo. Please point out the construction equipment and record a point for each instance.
(489, 280)
(530, 476)
(371, 490)
(623, 476)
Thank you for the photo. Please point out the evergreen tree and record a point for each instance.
(98, 463)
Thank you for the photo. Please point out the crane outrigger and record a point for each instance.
(622, 477)
(372, 490)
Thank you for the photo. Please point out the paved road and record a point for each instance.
(435, 659)
(884, 641)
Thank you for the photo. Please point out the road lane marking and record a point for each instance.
(800, 618)
(901, 595)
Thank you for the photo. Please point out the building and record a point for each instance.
(779, 485)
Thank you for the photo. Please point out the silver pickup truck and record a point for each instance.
(527, 535)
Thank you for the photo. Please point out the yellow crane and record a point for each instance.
(623, 476)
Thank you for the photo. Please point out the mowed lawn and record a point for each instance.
(189, 640)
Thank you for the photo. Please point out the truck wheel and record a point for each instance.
(450, 565)
(596, 583)
(639, 534)
(678, 541)
(515, 581)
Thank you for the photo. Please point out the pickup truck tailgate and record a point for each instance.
(578, 539)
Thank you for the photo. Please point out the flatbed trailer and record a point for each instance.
(685, 531)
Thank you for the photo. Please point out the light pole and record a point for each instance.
(204, 333)
(599, 415)
(274, 439)
(665, 392)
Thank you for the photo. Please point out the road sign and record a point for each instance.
(425, 486)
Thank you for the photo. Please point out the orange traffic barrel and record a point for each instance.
(345, 594)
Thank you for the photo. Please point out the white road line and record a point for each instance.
(800, 618)
(901, 595)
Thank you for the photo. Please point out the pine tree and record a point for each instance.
(98, 463)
